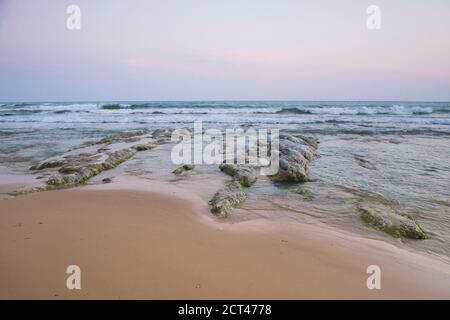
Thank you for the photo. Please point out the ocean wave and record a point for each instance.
(277, 108)
(293, 111)
(20, 112)
(28, 109)
(111, 107)
(394, 110)
(150, 118)
(442, 110)
(331, 110)
(172, 113)
(319, 109)
(25, 112)
(4, 133)
(187, 108)
(19, 104)
(377, 131)
(183, 105)
(62, 111)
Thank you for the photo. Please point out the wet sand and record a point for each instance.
(161, 244)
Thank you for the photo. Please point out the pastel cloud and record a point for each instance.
(232, 49)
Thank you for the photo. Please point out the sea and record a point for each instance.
(395, 151)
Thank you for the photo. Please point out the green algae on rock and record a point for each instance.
(228, 198)
(85, 161)
(84, 173)
(245, 174)
(183, 169)
(296, 151)
(390, 220)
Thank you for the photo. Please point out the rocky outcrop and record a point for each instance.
(48, 164)
(389, 219)
(128, 137)
(78, 172)
(144, 147)
(295, 152)
(183, 169)
(244, 174)
(150, 138)
(228, 198)
(87, 160)
(234, 193)
(162, 135)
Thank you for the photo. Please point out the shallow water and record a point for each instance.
(396, 151)
(412, 174)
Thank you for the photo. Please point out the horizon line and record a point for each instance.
(215, 100)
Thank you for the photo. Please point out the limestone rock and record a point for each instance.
(76, 173)
(183, 169)
(228, 198)
(144, 147)
(48, 164)
(295, 154)
(245, 174)
(390, 220)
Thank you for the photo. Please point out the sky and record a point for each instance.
(135, 50)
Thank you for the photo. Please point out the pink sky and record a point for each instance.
(228, 50)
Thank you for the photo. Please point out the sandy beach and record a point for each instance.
(229, 150)
(132, 244)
